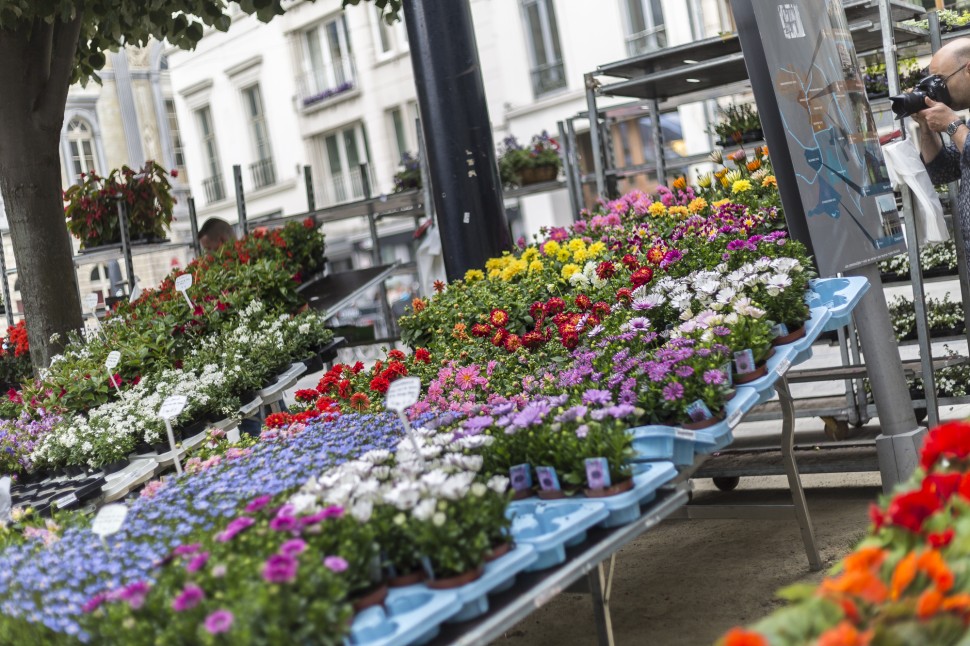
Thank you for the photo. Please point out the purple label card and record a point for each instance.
(779, 329)
(744, 361)
(548, 480)
(728, 373)
(521, 477)
(597, 473)
(698, 411)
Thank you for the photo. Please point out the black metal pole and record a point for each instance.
(457, 133)
(194, 224)
(240, 201)
(311, 200)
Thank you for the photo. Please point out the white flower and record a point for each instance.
(362, 511)
(777, 283)
(424, 509)
(377, 456)
(498, 484)
(438, 519)
(478, 490)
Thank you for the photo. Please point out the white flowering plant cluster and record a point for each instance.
(432, 507)
(937, 258)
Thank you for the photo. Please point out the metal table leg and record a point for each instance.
(600, 584)
(791, 470)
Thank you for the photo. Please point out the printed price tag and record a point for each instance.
(735, 418)
(114, 358)
(109, 520)
(90, 302)
(61, 503)
(684, 434)
(403, 393)
(172, 407)
(783, 366)
(183, 282)
(5, 500)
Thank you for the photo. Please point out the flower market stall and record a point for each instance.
(569, 389)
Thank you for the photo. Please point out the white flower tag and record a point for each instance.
(403, 393)
(114, 358)
(182, 284)
(90, 302)
(172, 406)
(109, 520)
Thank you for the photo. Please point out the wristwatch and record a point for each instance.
(952, 128)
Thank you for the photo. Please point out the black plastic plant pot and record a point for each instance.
(73, 471)
(193, 429)
(247, 396)
(313, 363)
(116, 466)
(161, 447)
(213, 416)
(89, 491)
(43, 510)
(143, 448)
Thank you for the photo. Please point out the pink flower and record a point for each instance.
(257, 504)
(280, 568)
(190, 597)
(219, 621)
(234, 528)
(293, 547)
(198, 562)
(152, 488)
(335, 564)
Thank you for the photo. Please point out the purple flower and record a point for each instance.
(657, 370)
(184, 550)
(198, 562)
(673, 391)
(234, 528)
(335, 563)
(683, 371)
(720, 330)
(257, 504)
(94, 603)
(293, 547)
(280, 568)
(572, 414)
(620, 411)
(582, 431)
(600, 397)
(219, 621)
(531, 414)
(476, 425)
(134, 594)
(714, 377)
(190, 597)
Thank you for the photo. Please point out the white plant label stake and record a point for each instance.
(90, 304)
(135, 290)
(402, 394)
(109, 521)
(182, 284)
(170, 409)
(114, 358)
(6, 503)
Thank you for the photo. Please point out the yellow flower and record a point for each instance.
(769, 181)
(569, 270)
(513, 269)
(678, 211)
(657, 209)
(494, 263)
(740, 186)
(530, 254)
(551, 248)
(596, 249)
(536, 266)
(733, 176)
(704, 181)
(495, 273)
(562, 255)
(720, 203)
(697, 205)
(474, 275)
(580, 255)
(576, 244)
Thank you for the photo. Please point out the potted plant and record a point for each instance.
(92, 205)
(739, 124)
(876, 82)
(521, 166)
(409, 177)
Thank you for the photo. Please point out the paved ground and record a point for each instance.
(688, 581)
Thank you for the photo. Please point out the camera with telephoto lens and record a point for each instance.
(909, 103)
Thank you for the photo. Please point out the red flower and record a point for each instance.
(601, 308)
(941, 539)
(499, 318)
(359, 402)
(277, 420)
(344, 388)
(396, 354)
(533, 339)
(309, 223)
(115, 380)
(910, 510)
(174, 172)
(418, 305)
(221, 307)
(656, 254)
(439, 286)
(537, 311)
(641, 276)
(555, 305)
(624, 294)
(481, 330)
(198, 311)
(306, 395)
(630, 262)
(512, 342)
(499, 337)
(325, 404)
(396, 369)
(297, 278)
(422, 355)
(379, 384)
(357, 368)
(942, 485)
(949, 441)
(570, 340)
(14, 396)
(136, 380)
(583, 302)
(606, 270)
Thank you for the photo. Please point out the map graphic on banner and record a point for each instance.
(832, 137)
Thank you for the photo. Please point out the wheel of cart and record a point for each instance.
(726, 484)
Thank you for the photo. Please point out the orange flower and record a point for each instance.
(958, 603)
(903, 575)
(845, 634)
(680, 183)
(754, 165)
(742, 637)
(929, 603)
(418, 305)
(934, 565)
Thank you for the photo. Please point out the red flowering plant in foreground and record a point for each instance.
(908, 582)
(15, 367)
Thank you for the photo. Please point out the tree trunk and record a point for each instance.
(31, 116)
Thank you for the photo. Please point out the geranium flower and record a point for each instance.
(742, 637)
(422, 354)
(306, 395)
(379, 384)
(950, 441)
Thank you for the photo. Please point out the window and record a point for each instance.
(646, 26)
(80, 141)
(341, 154)
(328, 67)
(548, 73)
(178, 152)
(390, 39)
(213, 186)
(400, 134)
(262, 170)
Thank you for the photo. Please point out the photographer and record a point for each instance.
(951, 68)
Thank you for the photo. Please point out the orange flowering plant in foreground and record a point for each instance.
(907, 582)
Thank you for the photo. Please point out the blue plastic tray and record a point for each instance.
(661, 443)
(624, 508)
(499, 575)
(551, 528)
(840, 296)
(410, 615)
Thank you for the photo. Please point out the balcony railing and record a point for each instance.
(327, 82)
(546, 78)
(648, 40)
(215, 190)
(263, 173)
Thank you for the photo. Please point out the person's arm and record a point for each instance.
(942, 162)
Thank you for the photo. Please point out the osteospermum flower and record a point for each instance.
(673, 391)
(499, 318)
(280, 568)
(219, 621)
(191, 596)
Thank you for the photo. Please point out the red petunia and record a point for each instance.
(309, 223)
(422, 355)
(325, 404)
(641, 276)
(499, 318)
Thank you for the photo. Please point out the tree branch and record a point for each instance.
(53, 97)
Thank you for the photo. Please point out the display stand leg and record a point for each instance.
(600, 582)
(658, 141)
(851, 401)
(577, 175)
(240, 201)
(594, 135)
(791, 470)
(375, 239)
(194, 225)
(861, 398)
